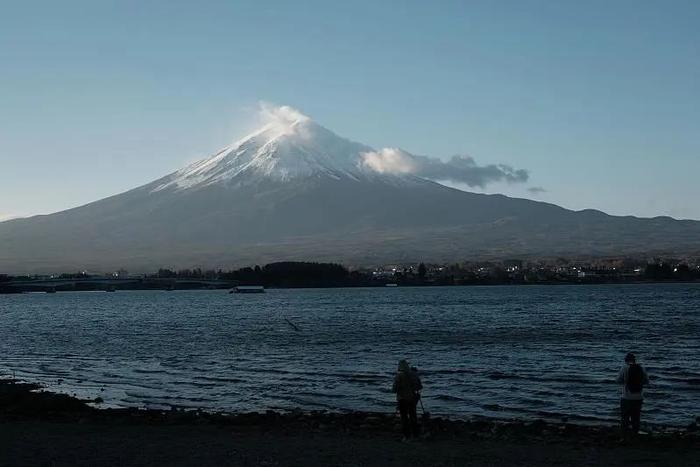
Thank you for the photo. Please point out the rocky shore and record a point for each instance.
(43, 428)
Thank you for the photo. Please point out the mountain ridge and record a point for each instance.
(296, 191)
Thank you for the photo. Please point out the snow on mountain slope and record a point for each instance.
(290, 146)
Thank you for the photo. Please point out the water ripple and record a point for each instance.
(527, 352)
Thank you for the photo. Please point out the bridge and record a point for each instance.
(112, 284)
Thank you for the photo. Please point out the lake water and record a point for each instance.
(507, 352)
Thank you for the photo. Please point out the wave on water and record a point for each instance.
(530, 352)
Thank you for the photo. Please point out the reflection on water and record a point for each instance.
(511, 351)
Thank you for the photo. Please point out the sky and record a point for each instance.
(598, 101)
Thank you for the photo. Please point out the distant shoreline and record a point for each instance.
(307, 274)
(10, 288)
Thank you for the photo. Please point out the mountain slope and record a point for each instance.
(295, 190)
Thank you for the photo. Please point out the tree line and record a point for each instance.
(280, 274)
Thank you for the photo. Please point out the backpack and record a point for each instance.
(635, 378)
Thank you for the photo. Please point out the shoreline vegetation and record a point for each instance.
(331, 275)
(40, 427)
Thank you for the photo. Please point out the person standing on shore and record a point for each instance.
(407, 386)
(633, 379)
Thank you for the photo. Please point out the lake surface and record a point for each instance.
(507, 351)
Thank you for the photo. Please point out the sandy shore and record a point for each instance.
(40, 428)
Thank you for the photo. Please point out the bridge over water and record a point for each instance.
(111, 284)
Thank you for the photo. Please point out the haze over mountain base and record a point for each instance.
(296, 191)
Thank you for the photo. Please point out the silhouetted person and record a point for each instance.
(633, 378)
(407, 386)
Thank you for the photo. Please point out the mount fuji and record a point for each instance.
(294, 190)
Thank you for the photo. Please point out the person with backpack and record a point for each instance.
(407, 387)
(633, 378)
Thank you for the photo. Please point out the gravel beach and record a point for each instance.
(42, 428)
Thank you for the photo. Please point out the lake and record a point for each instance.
(502, 351)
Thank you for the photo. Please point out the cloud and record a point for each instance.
(461, 169)
(536, 190)
(284, 114)
(390, 160)
(283, 120)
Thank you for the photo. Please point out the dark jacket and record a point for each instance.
(407, 386)
(622, 379)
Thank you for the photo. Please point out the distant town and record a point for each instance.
(310, 274)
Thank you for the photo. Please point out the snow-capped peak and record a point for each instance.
(287, 146)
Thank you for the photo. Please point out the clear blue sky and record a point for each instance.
(599, 100)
